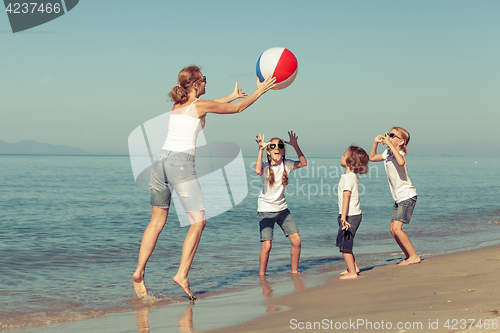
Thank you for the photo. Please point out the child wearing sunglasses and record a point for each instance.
(403, 192)
(355, 162)
(272, 206)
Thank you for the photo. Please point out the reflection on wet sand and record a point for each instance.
(267, 290)
(184, 323)
(142, 320)
(266, 287)
(298, 282)
(267, 293)
(185, 320)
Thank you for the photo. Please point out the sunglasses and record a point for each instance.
(204, 79)
(271, 146)
(391, 135)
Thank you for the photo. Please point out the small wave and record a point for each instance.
(17, 320)
(150, 300)
(14, 319)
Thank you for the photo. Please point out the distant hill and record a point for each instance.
(35, 147)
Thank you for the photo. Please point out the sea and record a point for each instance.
(71, 228)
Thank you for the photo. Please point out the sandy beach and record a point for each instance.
(447, 293)
(448, 290)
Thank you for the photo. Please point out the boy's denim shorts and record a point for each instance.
(284, 220)
(403, 210)
(175, 171)
(345, 238)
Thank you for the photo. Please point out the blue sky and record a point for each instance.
(90, 77)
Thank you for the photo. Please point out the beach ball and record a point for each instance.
(279, 62)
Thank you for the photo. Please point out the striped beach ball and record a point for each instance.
(279, 62)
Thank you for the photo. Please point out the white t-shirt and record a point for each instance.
(349, 182)
(272, 198)
(399, 182)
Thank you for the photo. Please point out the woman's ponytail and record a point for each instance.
(185, 80)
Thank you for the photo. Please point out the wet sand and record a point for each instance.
(441, 294)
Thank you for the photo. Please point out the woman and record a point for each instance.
(174, 167)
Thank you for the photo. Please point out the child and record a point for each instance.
(271, 204)
(355, 161)
(403, 192)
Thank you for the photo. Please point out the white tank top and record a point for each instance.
(183, 131)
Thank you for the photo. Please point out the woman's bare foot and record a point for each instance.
(184, 284)
(139, 286)
(410, 261)
(348, 276)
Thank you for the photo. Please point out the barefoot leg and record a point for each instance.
(395, 233)
(189, 248)
(295, 252)
(395, 225)
(149, 239)
(355, 266)
(404, 243)
(351, 266)
(264, 257)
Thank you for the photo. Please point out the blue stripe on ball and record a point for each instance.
(259, 73)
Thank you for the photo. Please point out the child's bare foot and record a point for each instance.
(346, 271)
(139, 286)
(183, 282)
(295, 273)
(410, 261)
(348, 276)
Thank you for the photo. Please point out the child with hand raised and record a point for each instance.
(403, 192)
(272, 206)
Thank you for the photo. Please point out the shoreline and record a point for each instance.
(458, 286)
(461, 286)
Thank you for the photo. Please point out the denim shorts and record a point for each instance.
(284, 220)
(175, 171)
(345, 238)
(403, 210)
